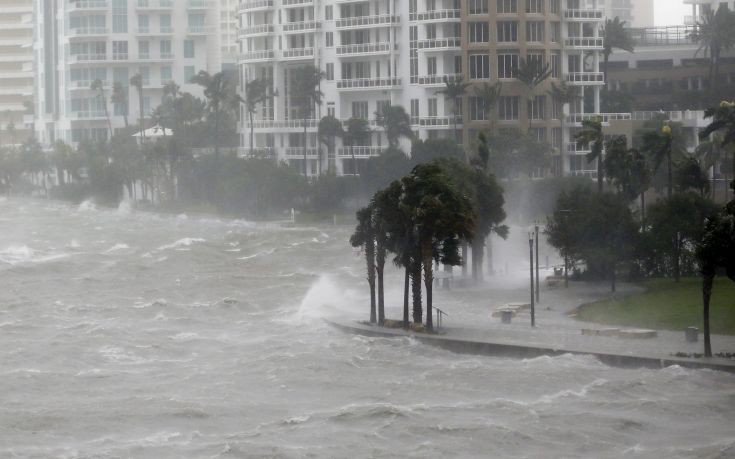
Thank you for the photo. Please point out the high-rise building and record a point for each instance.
(80, 41)
(385, 52)
(636, 13)
(228, 32)
(699, 7)
(16, 68)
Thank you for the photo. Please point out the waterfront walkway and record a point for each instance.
(470, 327)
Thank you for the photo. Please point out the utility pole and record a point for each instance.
(538, 299)
(533, 305)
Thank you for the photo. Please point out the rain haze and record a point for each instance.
(296, 228)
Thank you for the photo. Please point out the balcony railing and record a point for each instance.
(574, 147)
(199, 29)
(257, 29)
(83, 31)
(258, 55)
(364, 48)
(604, 118)
(368, 83)
(297, 53)
(86, 84)
(255, 5)
(435, 121)
(88, 5)
(432, 80)
(367, 21)
(591, 43)
(585, 78)
(284, 124)
(298, 152)
(89, 114)
(360, 151)
(87, 57)
(301, 26)
(296, 2)
(436, 15)
(155, 4)
(440, 43)
(197, 4)
(584, 14)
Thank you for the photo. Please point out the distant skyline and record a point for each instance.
(670, 12)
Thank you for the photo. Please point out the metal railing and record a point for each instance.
(364, 48)
(585, 77)
(364, 21)
(440, 43)
(437, 79)
(360, 151)
(584, 42)
(301, 26)
(435, 15)
(366, 83)
(584, 14)
(297, 53)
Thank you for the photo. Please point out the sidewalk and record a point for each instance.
(470, 320)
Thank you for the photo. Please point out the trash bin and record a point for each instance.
(692, 334)
(506, 316)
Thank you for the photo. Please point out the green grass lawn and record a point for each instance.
(666, 305)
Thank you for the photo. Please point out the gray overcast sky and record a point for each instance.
(670, 12)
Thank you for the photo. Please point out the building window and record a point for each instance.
(164, 22)
(478, 6)
(433, 109)
(477, 108)
(555, 64)
(189, 73)
(479, 32)
(166, 74)
(143, 23)
(507, 6)
(120, 16)
(555, 32)
(144, 50)
(507, 65)
(189, 52)
(431, 66)
(165, 49)
(535, 6)
(328, 13)
(330, 71)
(508, 108)
(554, 6)
(535, 31)
(537, 108)
(360, 109)
(329, 38)
(507, 31)
(479, 66)
(415, 108)
(119, 50)
(431, 31)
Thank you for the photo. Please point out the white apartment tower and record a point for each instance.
(379, 52)
(228, 31)
(16, 68)
(79, 41)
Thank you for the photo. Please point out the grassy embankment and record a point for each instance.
(666, 305)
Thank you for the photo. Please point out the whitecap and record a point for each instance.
(87, 206)
(185, 242)
(117, 247)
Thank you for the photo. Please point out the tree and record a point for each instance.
(395, 122)
(615, 36)
(137, 82)
(256, 93)
(591, 136)
(329, 129)
(99, 88)
(306, 94)
(453, 91)
(716, 250)
(689, 175)
(364, 236)
(424, 151)
(562, 95)
(489, 94)
(723, 122)
(628, 171)
(710, 152)
(441, 217)
(664, 145)
(357, 133)
(532, 72)
(120, 98)
(714, 33)
(219, 89)
(563, 227)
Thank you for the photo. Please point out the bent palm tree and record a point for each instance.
(329, 129)
(395, 122)
(714, 33)
(454, 91)
(306, 93)
(256, 92)
(616, 36)
(99, 87)
(120, 98)
(364, 236)
(562, 95)
(137, 82)
(218, 90)
(591, 136)
(532, 72)
(357, 133)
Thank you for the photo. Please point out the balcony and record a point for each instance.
(296, 3)
(294, 125)
(88, 32)
(605, 118)
(197, 4)
(298, 152)
(360, 152)
(437, 80)
(452, 15)
(86, 84)
(362, 22)
(435, 121)
(584, 43)
(89, 115)
(440, 44)
(579, 149)
(83, 58)
(364, 48)
(258, 56)
(260, 29)
(297, 53)
(199, 30)
(368, 83)
(255, 5)
(586, 14)
(154, 5)
(302, 26)
(88, 6)
(585, 78)
(164, 30)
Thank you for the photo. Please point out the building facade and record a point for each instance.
(699, 7)
(384, 52)
(228, 32)
(16, 69)
(80, 41)
(636, 13)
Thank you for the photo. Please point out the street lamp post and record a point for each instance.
(533, 304)
(538, 293)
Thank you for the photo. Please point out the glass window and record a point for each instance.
(478, 6)
(479, 66)
(507, 6)
(166, 74)
(188, 73)
(507, 31)
(507, 65)
(165, 49)
(508, 108)
(189, 49)
(535, 31)
(479, 32)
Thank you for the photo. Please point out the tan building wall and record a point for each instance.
(16, 68)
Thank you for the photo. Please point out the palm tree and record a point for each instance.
(441, 216)
(99, 87)
(329, 129)
(256, 93)
(137, 82)
(628, 170)
(591, 136)
(454, 91)
(395, 122)
(532, 73)
(218, 90)
(662, 146)
(120, 97)
(714, 33)
(723, 122)
(306, 94)
(562, 95)
(357, 133)
(710, 152)
(489, 94)
(615, 36)
(364, 236)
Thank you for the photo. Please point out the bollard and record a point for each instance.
(692, 334)
(505, 316)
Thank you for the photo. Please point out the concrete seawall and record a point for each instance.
(524, 351)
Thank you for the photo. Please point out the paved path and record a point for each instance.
(470, 319)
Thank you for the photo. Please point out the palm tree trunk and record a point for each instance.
(107, 116)
(428, 281)
(600, 177)
(380, 268)
(416, 291)
(464, 259)
(370, 258)
(643, 210)
(677, 258)
(606, 59)
(613, 278)
(252, 135)
(406, 282)
(707, 281)
(670, 190)
(566, 275)
(216, 133)
(305, 170)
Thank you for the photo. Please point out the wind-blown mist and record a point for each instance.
(128, 334)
